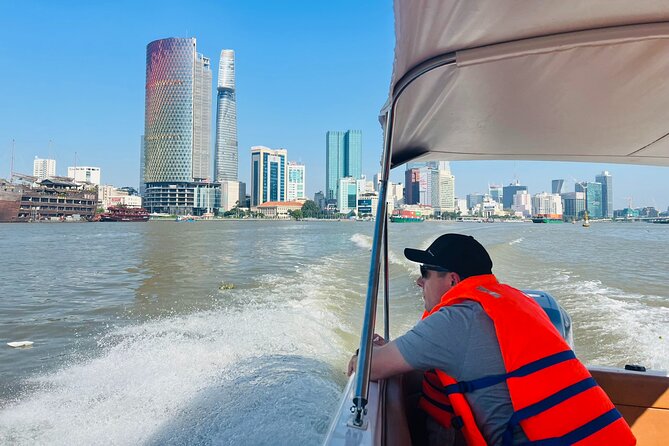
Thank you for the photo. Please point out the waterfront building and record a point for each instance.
(474, 199)
(231, 195)
(509, 191)
(496, 192)
(53, 199)
(593, 197)
(573, 204)
(343, 158)
(44, 168)
(319, 199)
(547, 205)
(367, 204)
(177, 129)
(269, 179)
(279, 209)
(395, 194)
(226, 163)
(522, 203)
(461, 206)
(111, 196)
(84, 174)
(606, 180)
(296, 182)
(443, 190)
(556, 186)
(348, 195)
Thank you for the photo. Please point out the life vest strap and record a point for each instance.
(442, 406)
(580, 433)
(487, 381)
(545, 404)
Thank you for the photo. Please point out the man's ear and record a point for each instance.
(455, 278)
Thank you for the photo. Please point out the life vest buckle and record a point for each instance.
(457, 422)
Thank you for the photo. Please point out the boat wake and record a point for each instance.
(613, 327)
(259, 370)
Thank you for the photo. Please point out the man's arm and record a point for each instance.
(386, 361)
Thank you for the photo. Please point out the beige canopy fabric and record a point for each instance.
(567, 80)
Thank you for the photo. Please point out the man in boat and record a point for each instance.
(495, 368)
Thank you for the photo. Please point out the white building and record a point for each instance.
(522, 204)
(348, 195)
(296, 181)
(461, 206)
(443, 190)
(44, 168)
(545, 204)
(230, 195)
(84, 174)
(111, 196)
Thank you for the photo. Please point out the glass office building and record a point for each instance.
(269, 180)
(343, 158)
(177, 125)
(606, 180)
(227, 159)
(593, 198)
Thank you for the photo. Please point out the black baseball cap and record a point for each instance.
(459, 253)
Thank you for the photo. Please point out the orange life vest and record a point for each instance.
(555, 399)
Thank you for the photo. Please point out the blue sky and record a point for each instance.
(72, 81)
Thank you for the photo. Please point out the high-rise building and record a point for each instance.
(348, 194)
(177, 127)
(509, 191)
(343, 158)
(84, 174)
(522, 203)
(606, 180)
(269, 179)
(573, 205)
(593, 197)
(547, 205)
(443, 189)
(556, 186)
(226, 164)
(44, 168)
(496, 192)
(296, 182)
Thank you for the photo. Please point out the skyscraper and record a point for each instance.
(226, 159)
(343, 158)
(556, 186)
(606, 180)
(509, 191)
(269, 180)
(177, 124)
(593, 197)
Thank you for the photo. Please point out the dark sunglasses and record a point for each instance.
(425, 268)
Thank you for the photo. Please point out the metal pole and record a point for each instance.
(386, 282)
(365, 351)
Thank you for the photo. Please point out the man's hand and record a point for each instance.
(377, 340)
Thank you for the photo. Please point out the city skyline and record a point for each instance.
(285, 97)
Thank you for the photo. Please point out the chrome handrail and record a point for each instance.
(363, 368)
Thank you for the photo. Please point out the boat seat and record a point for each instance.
(643, 400)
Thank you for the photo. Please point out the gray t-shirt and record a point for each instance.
(461, 341)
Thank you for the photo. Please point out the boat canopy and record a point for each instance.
(530, 80)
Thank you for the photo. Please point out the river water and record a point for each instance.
(238, 332)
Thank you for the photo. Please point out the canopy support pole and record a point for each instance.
(363, 369)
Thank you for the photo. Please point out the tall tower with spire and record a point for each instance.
(226, 164)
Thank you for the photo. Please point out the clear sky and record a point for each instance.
(72, 77)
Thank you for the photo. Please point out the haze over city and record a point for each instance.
(74, 76)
